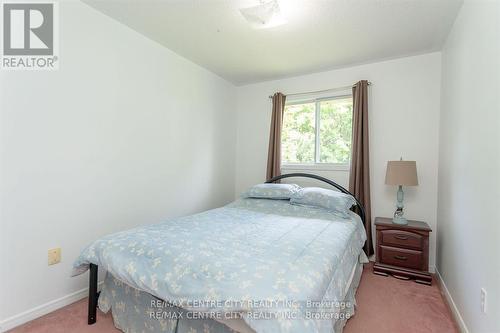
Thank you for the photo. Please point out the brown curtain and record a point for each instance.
(274, 152)
(359, 177)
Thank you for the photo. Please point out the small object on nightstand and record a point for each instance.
(403, 250)
(401, 173)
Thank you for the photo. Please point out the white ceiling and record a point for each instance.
(319, 35)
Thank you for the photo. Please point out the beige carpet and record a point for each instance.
(385, 305)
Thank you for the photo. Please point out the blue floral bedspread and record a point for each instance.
(252, 256)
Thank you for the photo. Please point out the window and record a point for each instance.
(317, 132)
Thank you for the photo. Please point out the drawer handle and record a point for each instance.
(400, 257)
(401, 237)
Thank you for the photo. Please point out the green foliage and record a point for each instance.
(335, 131)
(298, 135)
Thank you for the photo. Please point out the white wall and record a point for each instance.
(125, 133)
(469, 165)
(404, 120)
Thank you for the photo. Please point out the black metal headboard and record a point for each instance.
(328, 181)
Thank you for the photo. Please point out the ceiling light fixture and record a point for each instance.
(266, 14)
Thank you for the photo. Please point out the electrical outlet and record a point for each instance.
(54, 256)
(483, 300)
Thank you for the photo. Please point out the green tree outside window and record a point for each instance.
(298, 141)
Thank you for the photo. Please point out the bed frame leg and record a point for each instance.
(93, 295)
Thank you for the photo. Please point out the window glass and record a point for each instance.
(335, 131)
(298, 134)
(332, 132)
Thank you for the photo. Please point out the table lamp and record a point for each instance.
(401, 173)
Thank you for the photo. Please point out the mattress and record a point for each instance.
(259, 258)
(136, 311)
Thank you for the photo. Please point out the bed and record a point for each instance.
(255, 265)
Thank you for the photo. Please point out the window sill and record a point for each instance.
(316, 167)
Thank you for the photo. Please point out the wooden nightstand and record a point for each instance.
(403, 250)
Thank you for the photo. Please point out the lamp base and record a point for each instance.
(398, 214)
(399, 220)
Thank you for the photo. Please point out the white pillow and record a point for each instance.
(319, 197)
(271, 191)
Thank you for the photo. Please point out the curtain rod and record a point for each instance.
(322, 91)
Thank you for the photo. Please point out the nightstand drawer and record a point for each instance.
(401, 238)
(401, 257)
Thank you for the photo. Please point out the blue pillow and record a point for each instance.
(334, 201)
(271, 191)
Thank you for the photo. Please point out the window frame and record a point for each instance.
(317, 165)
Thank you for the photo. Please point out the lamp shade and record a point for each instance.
(401, 173)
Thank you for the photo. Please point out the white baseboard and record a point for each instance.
(41, 310)
(458, 317)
